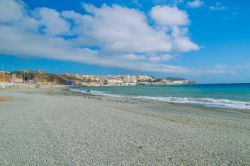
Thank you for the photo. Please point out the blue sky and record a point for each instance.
(207, 41)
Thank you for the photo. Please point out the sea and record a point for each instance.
(232, 96)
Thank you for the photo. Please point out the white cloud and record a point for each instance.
(17, 42)
(11, 11)
(53, 23)
(218, 6)
(160, 58)
(175, 21)
(149, 58)
(133, 57)
(195, 3)
(111, 36)
(183, 44)
(169, 16)
(181, 41)
(118, 29)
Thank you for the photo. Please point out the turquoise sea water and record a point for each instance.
(214, 95)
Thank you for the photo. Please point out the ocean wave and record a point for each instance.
(94, 93)
(210, 102)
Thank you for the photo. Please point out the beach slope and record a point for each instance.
(53, 127)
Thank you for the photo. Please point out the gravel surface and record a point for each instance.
(50, 127)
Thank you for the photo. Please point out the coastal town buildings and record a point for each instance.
(42, 77)
(121, 80)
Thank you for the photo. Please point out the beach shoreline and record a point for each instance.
(193, 102)
(57, 127)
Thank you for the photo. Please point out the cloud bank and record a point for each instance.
(113, 36)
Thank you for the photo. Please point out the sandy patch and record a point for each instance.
(4, 99)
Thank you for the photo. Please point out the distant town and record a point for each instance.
(44, 78)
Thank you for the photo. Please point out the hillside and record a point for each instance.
(4, 77)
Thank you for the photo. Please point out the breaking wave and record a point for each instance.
(208, 102)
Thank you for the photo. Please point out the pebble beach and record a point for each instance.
(55, 127)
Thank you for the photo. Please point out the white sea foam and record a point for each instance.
(209, 102)
(94, 93)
